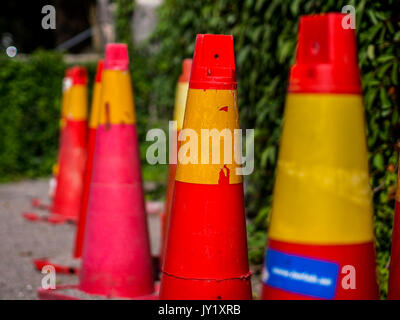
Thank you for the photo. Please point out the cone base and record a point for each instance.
(37, 203)
(72, 292)
(49, 218)
(174, 288)
(67, 268)
(348, 264)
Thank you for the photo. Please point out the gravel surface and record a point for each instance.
(22, 240)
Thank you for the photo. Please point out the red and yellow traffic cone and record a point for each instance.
(179, 113)
(67, 199)
(394, 275)
(70, 265)
(66, 86)
(93, 124)
(321, 240)
(206, 253)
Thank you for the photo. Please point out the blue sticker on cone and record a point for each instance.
(311, 277)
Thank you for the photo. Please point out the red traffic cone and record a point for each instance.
(206, 253)
(67, 199)
(394, 275)
(37, 203)
(70, 265)
(320, 238)
(179, 113)
(93, 124)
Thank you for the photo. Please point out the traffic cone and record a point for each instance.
(394, 274)
(67, 199)
(70, 265)
(116, 261)
(179, 113)
(206, 252)
(321, 240)
(66, 86)
(93, 124)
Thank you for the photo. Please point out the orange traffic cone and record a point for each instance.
(394, 275)
(320, 239)
(179, 113)
(67, 199)
(116, 261)
(206, 253)
(93, 124)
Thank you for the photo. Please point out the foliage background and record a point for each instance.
(30, 97)
(265, 40)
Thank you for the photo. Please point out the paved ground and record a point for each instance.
(22, 240)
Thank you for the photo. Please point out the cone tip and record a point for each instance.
(326, 58)
(116, 57)
(213, 63)
(78, 75)
(186, 69)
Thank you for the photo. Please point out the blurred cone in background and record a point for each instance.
(66, 86)
(92, 130)
(394, 275)
(206, 252)
(72, 157)
(320, 239)
(116, 261)
(179, 113)
(67, 264)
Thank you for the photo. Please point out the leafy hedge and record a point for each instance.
(265, 40)
(30, 98)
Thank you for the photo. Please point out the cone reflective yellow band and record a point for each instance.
(322, 194)
(67, 84)
(117, 88)
(219, 108)
(76, 111)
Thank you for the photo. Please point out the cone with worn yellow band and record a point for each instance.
(116, 257)
(320, 239)
(67, 198)
(182, 88)
(206, 252)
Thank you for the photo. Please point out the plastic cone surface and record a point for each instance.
(394, 275)
(72, 156)
(321, 241)
(93, 124)
(206, 253)
(116, 253)
(179, 113)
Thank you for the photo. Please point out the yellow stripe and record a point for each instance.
(117, 104)
(203, 111)
(65, 102)
(322, 193)
(77, 104)
(180, 103)
(95, 110)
